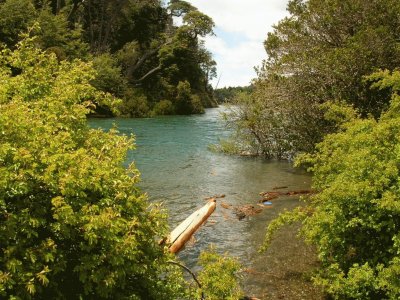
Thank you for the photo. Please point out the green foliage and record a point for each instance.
(135, 46)
(258, 129)
(15, 17)
(178, 7)
(164, 107)
(319, 53)
(53, 31)
(227, 94)
(186, 102)
(134, 105)
(226, 146)
(197, 24)
(72, 221)
(108, 78)
(338, 112)
(219, 277)
(354, 220)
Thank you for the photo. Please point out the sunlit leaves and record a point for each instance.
(220, 276)
(72, 221)
(355, 220)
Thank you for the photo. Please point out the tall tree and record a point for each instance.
(321, 52)
(135, 44)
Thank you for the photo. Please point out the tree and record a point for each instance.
(154, 54)
(227, 94)
(54, 34)
(136, 48)
(72, 220)
(53, 31)
(320, 53)
(186, 102)
(184, 59)
(15, 16)
(354, 219)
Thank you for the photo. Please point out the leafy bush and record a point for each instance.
(108, 77)
(164, 107)
(354, 220)
(219, 277)
(186, 102)
(226, 146)
(72, 221)
(134, 104)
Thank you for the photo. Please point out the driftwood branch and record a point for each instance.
(190, 272)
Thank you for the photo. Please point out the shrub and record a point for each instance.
(219, 277)
(134, 104)
(72, 221)
(354, 220)
(164, 107)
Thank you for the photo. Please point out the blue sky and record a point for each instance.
(241, 28)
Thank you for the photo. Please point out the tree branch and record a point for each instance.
(149, 73)
(141, 61)
(74, 9)
(190, 272)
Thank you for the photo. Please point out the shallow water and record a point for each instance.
(178, 169)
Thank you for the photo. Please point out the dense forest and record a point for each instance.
(139, 54)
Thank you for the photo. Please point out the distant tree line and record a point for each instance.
(227, 94)
(139, 54)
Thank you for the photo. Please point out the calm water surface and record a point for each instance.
(178, 169)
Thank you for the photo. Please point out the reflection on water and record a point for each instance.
(179, 170)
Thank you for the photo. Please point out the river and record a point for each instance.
(178, 170)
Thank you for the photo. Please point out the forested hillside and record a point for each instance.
(140, 55)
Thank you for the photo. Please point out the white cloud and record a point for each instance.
(235, 63)
(243, 27)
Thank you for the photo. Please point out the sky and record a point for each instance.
(241, 28)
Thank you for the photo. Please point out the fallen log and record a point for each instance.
(275, 194)
(183, 232)
(215, 197)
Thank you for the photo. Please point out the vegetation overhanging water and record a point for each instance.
(178, 169)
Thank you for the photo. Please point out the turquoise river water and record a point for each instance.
(178, 169)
